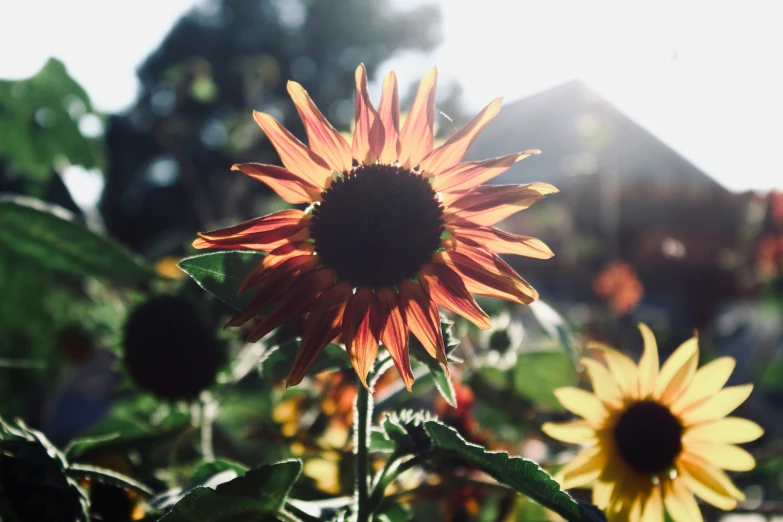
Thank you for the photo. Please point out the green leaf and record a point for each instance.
(221, 273)
(47, 236)
(537, 374)
(108, 476)
(557, 328)
(276, 361)
(256, 496)
(380, 442)
(437, 371)
(405, 429)
(522, 475)
(391, 512)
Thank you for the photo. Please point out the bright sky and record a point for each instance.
(704, 77)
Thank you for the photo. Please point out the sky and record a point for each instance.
(704, 77)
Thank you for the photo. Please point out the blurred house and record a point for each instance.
(624, 195)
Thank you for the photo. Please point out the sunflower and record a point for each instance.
(655, 437)
(395, 227)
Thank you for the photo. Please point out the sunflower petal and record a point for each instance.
(296, 157)
(575, 432)
(394, 334)
(708, 482)
(389, 112)
(270, 294)
(602, 493)
(264, 233)
(368, 134)
(678, 371)
(707, 381)
(287, 251)
(604, 385)
(498, 241)
(446, 288)
(582, 403)
(323, 324)
(416, 138)
(648, 364)
(297, 300)
(361, 329)
(653, 506)
(489, 204)
(422, 317)
(290, 187)
(622, 368)
(323, 138)
(723, 456)
(465, 176)
(717, 406)
(451, 153)
(730, 430)
(261, 275)
(583, 469)
(679, 501)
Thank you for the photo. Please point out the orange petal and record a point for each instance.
(287, 251)
(292, 188)
(422, 317)
(361, 329)
(389, 111)
(482, 277)
(323, 324)
(297, 300)
(708, 482)
(416, 137)
(265, 242)
(264, 233)
(447, 289)
(295, 156)
(261, 275)
(465, 176)
(394, 333)
(486, 205)
(324, 139)
(368, 134)
(498, 241)
(450, 153)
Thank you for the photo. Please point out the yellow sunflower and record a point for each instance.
(395, 228)
(655, 437)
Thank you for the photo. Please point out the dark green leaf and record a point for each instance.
(221, 273)
(256, 496)
(391, 512)
(47, 236)
(318, 510)
(405, 429)
(276, 361)
(522, 475)
(108, 476)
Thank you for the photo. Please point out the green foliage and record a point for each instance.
(255, 496)
(537, 374)
(47, 236)
(437, 371)
(221, 273)
(39, 123)
(276, 361)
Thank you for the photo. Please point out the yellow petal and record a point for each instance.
(622, 368)
(678, 371)
(576, 432)
(582, 403)
(679, 502)
(730, 430)
(708, 482)
(723, 456)
(653, 508)
(709, 379)
(648, 364)
(583, 469)
(604, 385)
(717, 406)
(602, 493)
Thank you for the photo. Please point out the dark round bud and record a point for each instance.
(111, 502)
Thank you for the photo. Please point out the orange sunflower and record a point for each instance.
(394, 229)
(654, 436)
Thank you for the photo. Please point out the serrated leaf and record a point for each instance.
(380, 442)
(276, 361)
(405, 429)
(47, 236)
(109, 476)
(522, 475)
(221, 273)
(256, 496)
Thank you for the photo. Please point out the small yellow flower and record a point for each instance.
(654, 436)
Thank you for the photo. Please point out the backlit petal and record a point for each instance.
(264, 233)
(583, 469)
(498, 241)
(582, 403)
(648, 364)
(287, 251)
(575, 432)
(653, 506)
(729, 430)
(422, 317)
(709, 379)
(446, 288)
(602, 493)
(604, 385)
(490, 204)
(723, 456)
(323, 324)
(289, 186)
(708, 482)
(718, 406)
(261, 275)
(296, 157)
(678, 371)
(621, 366)
(394, 334)
(451, 153)
(368, 134)
(465, 176)
(416, 137)
(361, 330)
(679, 502)
(389, 112)
(324, 139)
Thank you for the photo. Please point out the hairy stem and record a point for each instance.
(362, 418)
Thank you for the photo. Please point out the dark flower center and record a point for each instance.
(648, 437)
(377, 225)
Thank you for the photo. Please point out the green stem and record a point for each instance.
(391, 471)
(362, 433)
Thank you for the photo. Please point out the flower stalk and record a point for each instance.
(362, 419)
